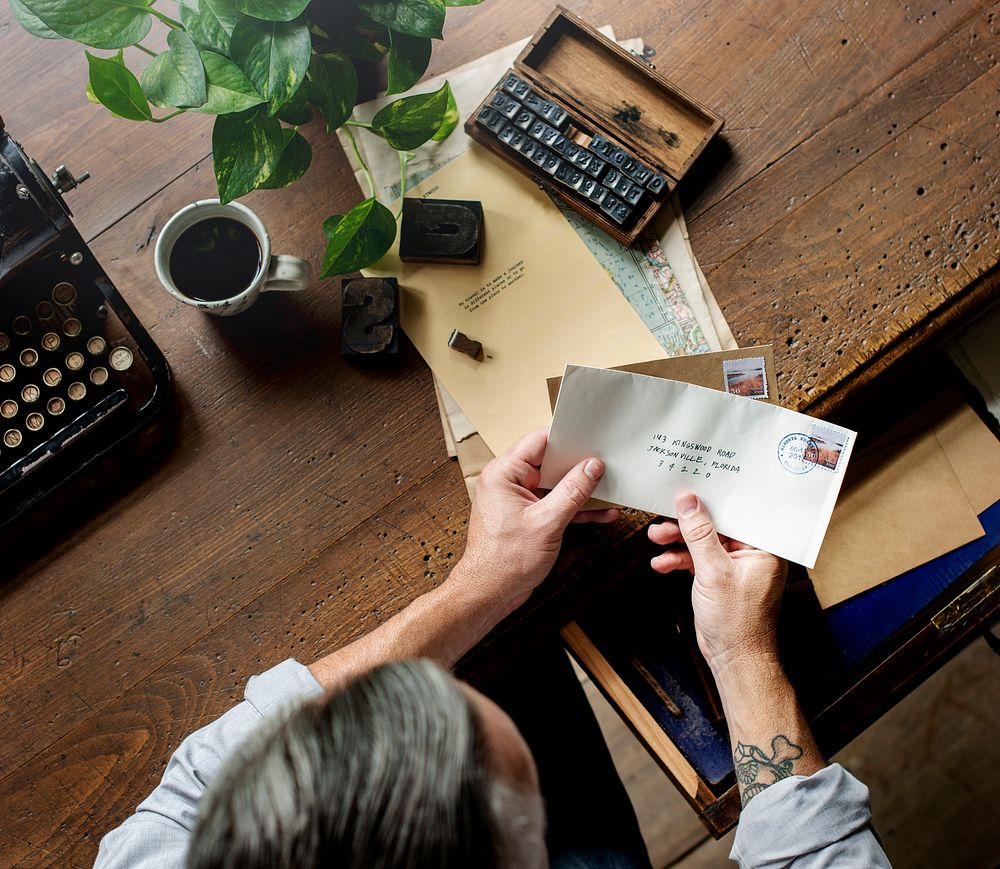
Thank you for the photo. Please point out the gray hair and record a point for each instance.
(387, 773)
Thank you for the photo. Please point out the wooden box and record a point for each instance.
(608, 91)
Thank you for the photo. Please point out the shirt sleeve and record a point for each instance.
(157, 834)
(809, 822)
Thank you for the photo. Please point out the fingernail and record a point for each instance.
(594, 469)
(687, 504)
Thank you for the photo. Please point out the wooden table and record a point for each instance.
(849, 215)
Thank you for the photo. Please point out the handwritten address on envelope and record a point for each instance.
(769, 476)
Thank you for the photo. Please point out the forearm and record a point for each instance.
(442, 624)
(770, 737)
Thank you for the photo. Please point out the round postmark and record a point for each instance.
(798, 453)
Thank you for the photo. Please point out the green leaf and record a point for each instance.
(275, 56)
(245, 147)
(365, 42)
(296, 111)
(408, 59)
(191, 4)
(176, 77)
(272, 10)
(333, 86)
(450, 120)
(296, 155)
(409, 122)
(97, 23)
(229, 90)
(115, 86)
(358, 238)
(211, 24)
(31, 22)
(415, 17)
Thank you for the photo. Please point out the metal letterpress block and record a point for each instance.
(518, 139)
(552, 162)
(537, 129)
(540, 155)
(598, 194)
(534, 102)
(507, 133)
(510, 108)
(618, 157)
(656, 185)
(528, 146)
(612, 178)
(524, 119)
(587, 187)
(617, 210)
(490, 119)
(600, 145)
(557, 117)
(595, 167)
(370, 308)
(549, 135)
(641, 175)
(441, 231)
(633, 195)
(516, 87)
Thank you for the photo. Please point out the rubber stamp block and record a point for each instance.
(441, 231)
(371, 317)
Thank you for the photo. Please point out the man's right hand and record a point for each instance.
(737, 589)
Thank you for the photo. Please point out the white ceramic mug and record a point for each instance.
(275, 272)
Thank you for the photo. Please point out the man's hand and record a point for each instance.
(737, 589)
(515, 532)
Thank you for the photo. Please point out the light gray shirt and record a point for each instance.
(808, 822)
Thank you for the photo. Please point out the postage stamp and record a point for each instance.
(798, 453)
(745, 377)
(829, 444)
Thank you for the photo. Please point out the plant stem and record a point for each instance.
(145, 50)
(168, 117)
(350, 122)
(361, 160)
(166, 19)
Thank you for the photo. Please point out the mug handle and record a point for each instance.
(288, 273)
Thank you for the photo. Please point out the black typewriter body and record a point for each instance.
(78, 372)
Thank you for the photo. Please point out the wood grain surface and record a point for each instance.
(847, 213)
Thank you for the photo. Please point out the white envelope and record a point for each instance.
(769, 476)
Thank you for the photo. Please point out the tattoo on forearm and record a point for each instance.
(752, 764)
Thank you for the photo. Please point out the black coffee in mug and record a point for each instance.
(215, 259)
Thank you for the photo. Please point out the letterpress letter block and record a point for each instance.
(371, 316)
(441, 231)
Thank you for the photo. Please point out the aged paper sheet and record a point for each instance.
(912, 496)
(537, 300)
(768, 475)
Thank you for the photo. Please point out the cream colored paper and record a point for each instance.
(537, 300)
(910, 497)
(769, 476)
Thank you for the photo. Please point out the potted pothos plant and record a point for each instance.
(262, 67)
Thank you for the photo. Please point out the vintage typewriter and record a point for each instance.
(78, 373)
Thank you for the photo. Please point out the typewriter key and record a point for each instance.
(22, 325)
(4, 342)
(74, 361)
(30, 393)
(44, 310)
(99, 376)
(34, 421)
(6, 373)
(50, 341)
(55, 406)
(52, 377)
(28, 357)
(76, 391)
(72, 327)
(12, 437)
(63, 294)
(97, 345)
(120, 358)
(8, 409)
